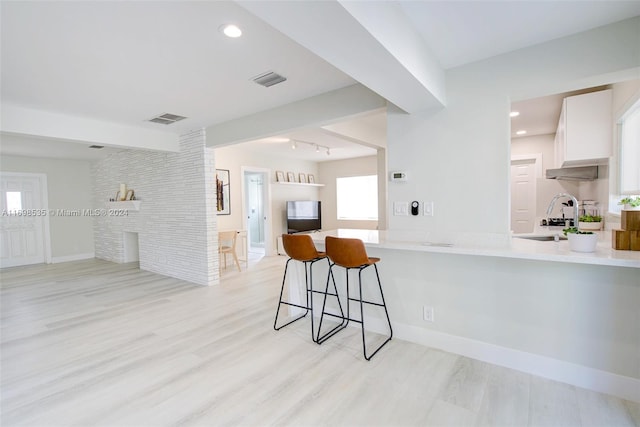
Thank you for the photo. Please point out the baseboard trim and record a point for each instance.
(570, 373)
(68, 258)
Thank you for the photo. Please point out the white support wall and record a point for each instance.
(176, 223)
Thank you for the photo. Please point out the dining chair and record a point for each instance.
(227, 245)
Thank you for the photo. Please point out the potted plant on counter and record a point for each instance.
(590, 222)
(581, 241)
(630, 203)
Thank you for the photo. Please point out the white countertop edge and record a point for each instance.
(571, 257)
(511, 248)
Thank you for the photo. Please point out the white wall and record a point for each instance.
(176, 223)
(68, 187)
(329, 171)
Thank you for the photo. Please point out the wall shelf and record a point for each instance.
(132, 205)
(299, 183)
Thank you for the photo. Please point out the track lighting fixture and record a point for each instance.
(294, 145)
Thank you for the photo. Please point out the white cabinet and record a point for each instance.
(585, 129)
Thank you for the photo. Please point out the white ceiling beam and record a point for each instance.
(44, 124)
(319, 110)
(372, 42)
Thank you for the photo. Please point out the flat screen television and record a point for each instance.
(303, 215)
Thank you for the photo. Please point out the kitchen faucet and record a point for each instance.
(575, 205)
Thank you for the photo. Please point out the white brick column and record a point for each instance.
(176, 224)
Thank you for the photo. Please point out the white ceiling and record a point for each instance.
(460, 32)
(125, 62)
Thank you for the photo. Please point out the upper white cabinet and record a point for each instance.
(585, 129)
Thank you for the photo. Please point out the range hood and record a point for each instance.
(579, 173)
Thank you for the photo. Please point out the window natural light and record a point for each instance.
(14, 201)
(630, 151)
(357, 197)
(628, 159)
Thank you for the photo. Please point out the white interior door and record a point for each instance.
(23, 230)
(523, 195)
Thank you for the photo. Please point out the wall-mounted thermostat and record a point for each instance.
(398, 176)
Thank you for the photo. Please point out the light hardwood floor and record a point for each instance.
(96, 343)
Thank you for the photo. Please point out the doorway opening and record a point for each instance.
(256, 208)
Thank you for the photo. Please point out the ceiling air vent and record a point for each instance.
(167, 119)
(97, 147)
(269, 79)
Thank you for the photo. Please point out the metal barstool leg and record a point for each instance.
(344, 321)
(280, 302)
(384, 305)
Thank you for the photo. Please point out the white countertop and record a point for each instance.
(491, 245)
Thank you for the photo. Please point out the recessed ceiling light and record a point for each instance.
(521, 132)
(514, 114)
(231, 30)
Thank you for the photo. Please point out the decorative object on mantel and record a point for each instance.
(280, 176)
(302, 178)
(581, 241)
(291, 177)
(311, 179)
(123, 194)
(629, 237)
(223, 192)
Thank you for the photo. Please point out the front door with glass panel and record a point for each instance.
(22, 229)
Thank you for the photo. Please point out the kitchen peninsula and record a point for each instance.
(529, 305)
(492, 245)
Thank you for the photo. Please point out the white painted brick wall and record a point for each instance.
(176, 224)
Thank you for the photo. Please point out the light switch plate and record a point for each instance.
(400, 208)
(428, 208)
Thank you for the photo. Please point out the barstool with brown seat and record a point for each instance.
(300, 247)
(351, 254)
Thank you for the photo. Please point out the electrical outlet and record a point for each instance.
(428, 314)
(428, 208)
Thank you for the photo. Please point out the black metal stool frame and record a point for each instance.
(308, 280)
(359, 300)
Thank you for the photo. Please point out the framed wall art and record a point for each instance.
(223, 195)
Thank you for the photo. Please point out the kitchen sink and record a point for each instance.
(541, 238)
